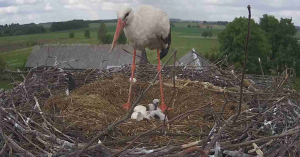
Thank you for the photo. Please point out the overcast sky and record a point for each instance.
(39, 11)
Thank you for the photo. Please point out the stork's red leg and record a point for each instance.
(163, 106)
(127, 105)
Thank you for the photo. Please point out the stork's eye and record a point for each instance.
(126, 15)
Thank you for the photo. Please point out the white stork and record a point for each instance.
(147, 27)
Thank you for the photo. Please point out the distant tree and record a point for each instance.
(102, 32)
(204, 22)
(68, 25)
(71, 35)
(87, 33)
(209, 34)
(207, 27)
(107, 39)
(172, 24)
(232, 40)
(103, 37)
(17, 29)
(205, 34)
(122, 38)
(189, 26)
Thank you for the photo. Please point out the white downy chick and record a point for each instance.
(139, 113)
(156, 113)
(137, 116)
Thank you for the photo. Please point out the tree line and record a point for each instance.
(272, 41)
(17, 29)
(68, 25)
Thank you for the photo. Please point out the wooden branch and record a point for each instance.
(17, 148)
(244, 67)
(264, 139)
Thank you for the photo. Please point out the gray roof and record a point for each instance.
(194, 59)
(87, 56)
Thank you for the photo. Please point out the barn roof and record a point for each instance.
(87, 56)
(193, 58)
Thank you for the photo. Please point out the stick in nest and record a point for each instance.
(244, 67)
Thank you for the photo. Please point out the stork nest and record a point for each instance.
(91, 108)
(38, 111)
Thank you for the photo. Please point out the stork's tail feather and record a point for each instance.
(167, 40)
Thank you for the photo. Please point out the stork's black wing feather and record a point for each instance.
(166, 40)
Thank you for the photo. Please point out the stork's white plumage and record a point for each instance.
(146, 27)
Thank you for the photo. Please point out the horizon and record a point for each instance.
(45, 11)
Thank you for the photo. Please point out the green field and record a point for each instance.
(16, 59)
(183, 39)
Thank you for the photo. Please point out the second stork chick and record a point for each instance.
(155, 112)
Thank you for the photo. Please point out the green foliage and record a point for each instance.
(212, 55)
(281, 35)
(205, 34)
(71, 35)
(17, 29)
(103, 37)
(172, 24)
(107, 39)
(233, 38)
(189, 26)
(209, 34)
(87, 33)
(122, 38)
(68, 25)
(102, 32)
(2, 66)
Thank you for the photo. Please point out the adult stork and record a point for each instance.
(146, 27)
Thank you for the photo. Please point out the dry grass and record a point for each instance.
(94, 106)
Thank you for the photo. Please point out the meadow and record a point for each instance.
(183, 39)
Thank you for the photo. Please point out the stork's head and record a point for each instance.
(125, 16)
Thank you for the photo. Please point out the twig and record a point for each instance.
(262, 71)
(244, 67)
(4, 149)
(17, 148)
(264, 139)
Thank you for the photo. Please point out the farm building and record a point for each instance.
(80, 56)
(84, 56)
(193, 58)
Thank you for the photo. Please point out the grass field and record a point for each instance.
(16, 59)
(183, 39)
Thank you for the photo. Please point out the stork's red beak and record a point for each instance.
(119, 29)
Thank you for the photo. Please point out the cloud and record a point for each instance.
(76, 6)
(27, 1)
(48, 7)
(112, 6)
(26, 11)
(8, 10)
